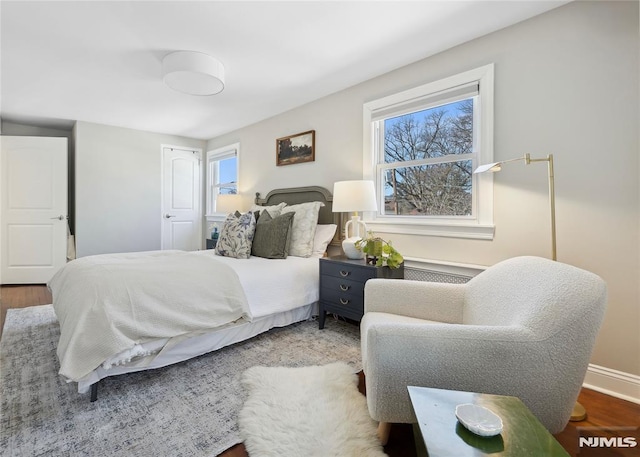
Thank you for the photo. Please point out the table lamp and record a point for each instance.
(351, 197)
(228, 203)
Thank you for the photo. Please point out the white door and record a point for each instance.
(33, 208)
(181, 212)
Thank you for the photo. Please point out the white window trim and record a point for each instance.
(479, 226)
(218, 154)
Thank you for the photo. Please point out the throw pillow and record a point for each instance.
(303, 228)
(236, 236)
(274, 210)
(322, 238)
(272, 236)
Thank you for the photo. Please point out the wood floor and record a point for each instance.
(21, 297)
(603, 411)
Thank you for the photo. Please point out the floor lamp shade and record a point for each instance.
(352, 197)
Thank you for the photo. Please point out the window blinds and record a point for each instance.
(427, 101)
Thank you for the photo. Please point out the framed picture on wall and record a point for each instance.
(298, 148)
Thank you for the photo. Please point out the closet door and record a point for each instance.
(33, 208)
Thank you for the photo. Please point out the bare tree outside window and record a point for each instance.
(425, 173)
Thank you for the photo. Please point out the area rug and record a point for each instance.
(187, 409)
(309, 411)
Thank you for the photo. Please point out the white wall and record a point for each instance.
(566, 83)
(118, 188)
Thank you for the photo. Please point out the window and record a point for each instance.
(222, 174)
(424, 145)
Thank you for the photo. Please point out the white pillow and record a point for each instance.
(324, 235)
(274, 210)
(303, 228)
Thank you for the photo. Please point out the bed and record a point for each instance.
(260, 294)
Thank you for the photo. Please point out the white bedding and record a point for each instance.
(107, 304)
(197, 345)
(275, 285)
(278, 292)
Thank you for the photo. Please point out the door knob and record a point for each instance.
(168, 216)
(60, 218)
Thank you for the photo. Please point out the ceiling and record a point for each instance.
(101, 61)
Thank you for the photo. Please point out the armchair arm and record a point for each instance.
(423, 300)
(487, 359)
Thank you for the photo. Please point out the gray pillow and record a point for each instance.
(272, 237)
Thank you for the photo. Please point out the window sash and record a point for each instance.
(215, 173)
(379, 135)
(382, 174)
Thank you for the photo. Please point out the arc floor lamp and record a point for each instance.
(497, 166)
(578, 413)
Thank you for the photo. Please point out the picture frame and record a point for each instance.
(298, 148)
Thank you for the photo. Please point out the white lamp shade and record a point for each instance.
(193, 73)
(352, 196)
(228, 203)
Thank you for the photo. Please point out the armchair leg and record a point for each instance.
(578, 413)
(384, 429)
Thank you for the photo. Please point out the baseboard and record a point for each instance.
(612, 382)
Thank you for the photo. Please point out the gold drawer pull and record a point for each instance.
(343, 301)
(343, 287)
(344, 273)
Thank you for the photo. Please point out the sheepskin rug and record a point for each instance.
(308, 411)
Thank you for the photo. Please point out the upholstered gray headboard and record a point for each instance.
(295, 195)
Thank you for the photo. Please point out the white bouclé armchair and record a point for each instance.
(524, 327)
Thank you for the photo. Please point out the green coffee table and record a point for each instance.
(439, 434)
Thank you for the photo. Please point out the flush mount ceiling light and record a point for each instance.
(193, 73)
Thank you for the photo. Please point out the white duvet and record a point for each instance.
(108, 304)
(275, 285)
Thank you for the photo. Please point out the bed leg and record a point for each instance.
(94, 392)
